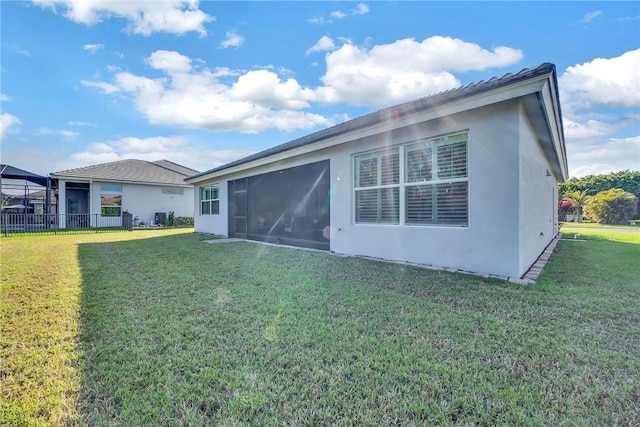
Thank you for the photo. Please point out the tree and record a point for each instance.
(614, 206)
(579, 200)
(627, 180)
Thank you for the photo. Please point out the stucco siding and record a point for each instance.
(143, 201)
(212, 224)
(538, 194)
(488, 244)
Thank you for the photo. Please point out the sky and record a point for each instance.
(204, 83)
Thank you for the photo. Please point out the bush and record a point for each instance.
(614, 206)
(183, 221)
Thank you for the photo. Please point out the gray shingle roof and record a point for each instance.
(182, 170)
(132, 170)
(398, 111)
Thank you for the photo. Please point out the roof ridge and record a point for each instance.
(155, 162)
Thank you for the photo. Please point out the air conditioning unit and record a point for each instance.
(160, 218)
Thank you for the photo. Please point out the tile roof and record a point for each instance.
(132, 170)
(400, 110)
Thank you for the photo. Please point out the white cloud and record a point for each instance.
(93, 48)
(266, 89)
(44, 131)
(174, 148)
(589, 129)
(106, 87)
(590, 16)
(599, 100)
(604, 156)
(68, 133)
(233, 40)
(80, 123)
(361, 9)
(629, 18)
(21, 51)
(255, 101)
(6, 122)
(319, 20)
(324, 44)
(170, 61)
(613, 82)
(405, 69)
(5, 98)
(145, 17)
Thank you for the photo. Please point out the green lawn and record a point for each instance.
(158, 328)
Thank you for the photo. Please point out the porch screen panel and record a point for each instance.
(287, 206)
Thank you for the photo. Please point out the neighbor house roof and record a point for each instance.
(131, 170)
(399, 111)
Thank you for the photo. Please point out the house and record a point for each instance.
(105, 191)
(465, 179)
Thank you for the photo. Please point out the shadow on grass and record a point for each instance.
(178, 332)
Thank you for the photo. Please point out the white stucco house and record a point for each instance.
(465, 179)
(98, 195)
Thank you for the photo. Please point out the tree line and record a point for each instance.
(608, 199)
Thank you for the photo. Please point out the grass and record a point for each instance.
(633, 225)
(158, 328)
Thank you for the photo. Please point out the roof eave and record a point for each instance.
(493, 96)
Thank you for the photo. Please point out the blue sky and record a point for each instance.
(204, 83)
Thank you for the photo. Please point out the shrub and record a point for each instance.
(614, 206)
(183, 221)
(171, 218)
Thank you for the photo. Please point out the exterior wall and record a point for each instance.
(538, 198)
(213, 224)
(143, 201)
(488, 245)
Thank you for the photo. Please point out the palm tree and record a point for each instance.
(579, 200)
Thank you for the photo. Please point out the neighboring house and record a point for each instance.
(465, 179)
(138, 187)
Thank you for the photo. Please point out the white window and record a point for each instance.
(110, 200)
(377, 187)
(210, 200)
(434, 183)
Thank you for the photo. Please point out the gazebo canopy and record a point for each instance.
(11, 172)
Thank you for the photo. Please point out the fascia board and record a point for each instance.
(475, 101)
(550, 109)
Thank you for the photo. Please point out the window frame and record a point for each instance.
(381, 185)
(448, 187)
(111, 191)
(209, 196)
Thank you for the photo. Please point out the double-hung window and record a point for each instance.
(210, 200)
(431, 185)
(110, 200)
(436, 181)
(377, 187)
